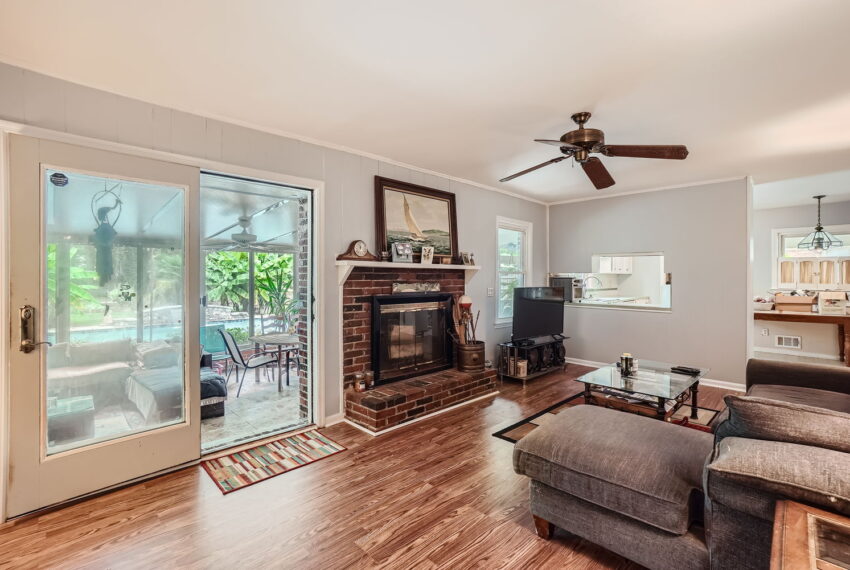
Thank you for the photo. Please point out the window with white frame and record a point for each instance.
(513, 263)
(797, 268)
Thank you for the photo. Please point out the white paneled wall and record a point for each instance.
(35, 99)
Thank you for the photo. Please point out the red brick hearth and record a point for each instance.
(357, 306)
(393, 404)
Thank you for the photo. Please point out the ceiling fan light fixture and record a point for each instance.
(820, 239)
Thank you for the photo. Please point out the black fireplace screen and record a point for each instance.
(409, 335)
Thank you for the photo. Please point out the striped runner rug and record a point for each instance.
(239, 470)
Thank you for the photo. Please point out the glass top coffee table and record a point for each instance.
(651, 390)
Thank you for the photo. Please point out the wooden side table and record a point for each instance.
(806, 537)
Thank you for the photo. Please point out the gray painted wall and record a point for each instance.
(35, 99)
(703, 232)
(764, 221)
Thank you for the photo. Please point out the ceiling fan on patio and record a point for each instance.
(580, 143)
(246, 240)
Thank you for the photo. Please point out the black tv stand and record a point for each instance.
(524, 359)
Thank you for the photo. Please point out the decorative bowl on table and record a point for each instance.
(762, 306)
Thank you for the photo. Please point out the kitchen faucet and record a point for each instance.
(588, 278)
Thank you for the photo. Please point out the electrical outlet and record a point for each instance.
(765, 332)
(491, 292)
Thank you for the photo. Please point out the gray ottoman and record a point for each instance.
(630, 484)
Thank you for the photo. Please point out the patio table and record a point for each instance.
(285, 343)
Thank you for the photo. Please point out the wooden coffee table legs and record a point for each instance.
(694, 393)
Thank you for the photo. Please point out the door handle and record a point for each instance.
(28, 342)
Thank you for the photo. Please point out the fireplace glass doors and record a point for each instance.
(410, 335)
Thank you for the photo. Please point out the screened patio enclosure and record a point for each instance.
(114, 273)
(256, 283)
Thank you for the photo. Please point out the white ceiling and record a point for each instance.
(757, 87)
(799, 191)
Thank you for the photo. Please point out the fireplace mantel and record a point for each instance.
(345, 267)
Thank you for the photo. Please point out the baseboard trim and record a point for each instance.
(786, 352)
(724, 384)
(334, 419)
(586, 362)
(427, 417)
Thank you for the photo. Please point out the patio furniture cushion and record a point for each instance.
(104, 381)
(212, 384)
(643, 468)
(777, 420)
(157, 354)
(89, 353)
(157, 394)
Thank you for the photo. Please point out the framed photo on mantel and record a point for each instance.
(409, 213)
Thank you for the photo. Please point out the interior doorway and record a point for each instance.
(256, 283)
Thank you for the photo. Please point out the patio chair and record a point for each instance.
(239, 361)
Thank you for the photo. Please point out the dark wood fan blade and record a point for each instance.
(597, 173)
(557, 143)
(533, 168)
(674, 151)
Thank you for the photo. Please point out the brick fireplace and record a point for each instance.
(398, 401)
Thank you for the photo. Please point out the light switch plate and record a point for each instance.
(491, 292)
(765, 332)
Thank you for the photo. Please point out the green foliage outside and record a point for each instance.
(82, 282)
(227, 280)
(239, 335)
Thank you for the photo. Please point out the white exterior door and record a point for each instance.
(103, 265)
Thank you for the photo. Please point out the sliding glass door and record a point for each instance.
(257, 285)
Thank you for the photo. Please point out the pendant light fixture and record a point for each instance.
(819, 240)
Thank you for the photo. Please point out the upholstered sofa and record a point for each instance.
(669, 497)
(90, 369)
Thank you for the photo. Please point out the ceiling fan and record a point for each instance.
(245, 240)
(580, 143)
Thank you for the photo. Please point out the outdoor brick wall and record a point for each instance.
(362, 283)
(393, 404)
(303, 292)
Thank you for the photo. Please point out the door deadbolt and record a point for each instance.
(28, 342)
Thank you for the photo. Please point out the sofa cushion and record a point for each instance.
(90, 353)
(801, 395)
(749, 475)
(103, 381)
(777, 420)
(643, 468)
(157, 394)
(157, 354)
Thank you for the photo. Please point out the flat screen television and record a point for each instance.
(538, 311)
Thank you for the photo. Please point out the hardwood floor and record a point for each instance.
(440, 493)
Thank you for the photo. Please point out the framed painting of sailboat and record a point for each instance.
(409, 213)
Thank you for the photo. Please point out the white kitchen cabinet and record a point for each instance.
(621, 265)
(813, 273)
(606, 264)
(787, 274)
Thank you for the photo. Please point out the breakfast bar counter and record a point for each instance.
(793, 317)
